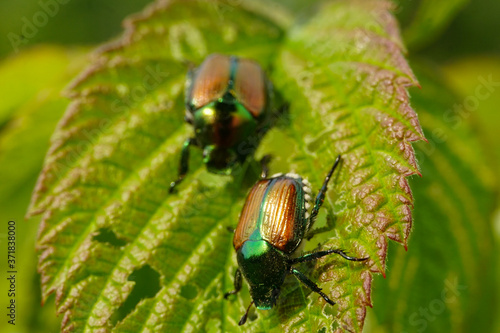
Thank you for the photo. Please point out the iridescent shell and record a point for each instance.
(275, 211)
(210, 81)
(220, 74)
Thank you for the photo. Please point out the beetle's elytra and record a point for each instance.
(272, 224)
(274, 212)
(229, 103)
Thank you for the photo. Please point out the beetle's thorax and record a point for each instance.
(265, 268)
(220, 127)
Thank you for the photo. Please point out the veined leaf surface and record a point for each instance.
(122, 254)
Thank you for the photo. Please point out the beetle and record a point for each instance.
(229, 103)
(272, 224)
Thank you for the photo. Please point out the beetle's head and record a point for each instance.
(264, 297)
(219, 160)
(265, 269)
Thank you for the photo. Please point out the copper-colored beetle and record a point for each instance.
(229, 102)
(272, 224)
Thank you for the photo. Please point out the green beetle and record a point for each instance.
(229, 104)
(272, 225)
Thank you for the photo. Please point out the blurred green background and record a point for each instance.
(457, 38)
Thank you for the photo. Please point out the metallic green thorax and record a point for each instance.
(265, 269)
(212, 122)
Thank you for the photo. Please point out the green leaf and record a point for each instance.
(47, 63)
(449, 268)
(477, 79)
(122, 254)
(429, 19)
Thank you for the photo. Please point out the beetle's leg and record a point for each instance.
(243, 319)
(231, 230)
(264, 163)
(183, 164)
(237, 284)
(319, 254)
(311, 285)
(320, 198)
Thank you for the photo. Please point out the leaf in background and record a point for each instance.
(429, 19)
(69, 22)
(446, 281)
(478, 80)
(118, 250)
(31, 106)
(21, 77)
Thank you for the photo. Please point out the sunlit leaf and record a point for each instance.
(122, 254)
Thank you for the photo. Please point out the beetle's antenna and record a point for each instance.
(321, 194)
(243, 319)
